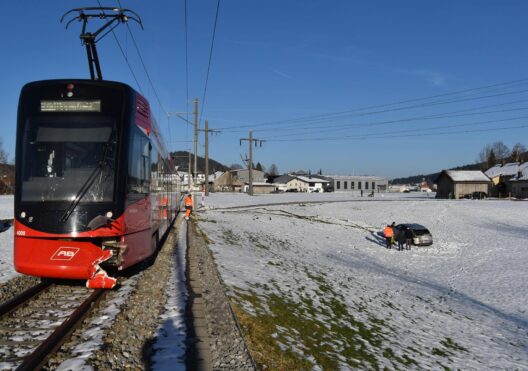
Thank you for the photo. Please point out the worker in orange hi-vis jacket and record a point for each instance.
(188, 205)
(389, 233)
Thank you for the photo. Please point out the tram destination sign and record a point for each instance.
(70, 105)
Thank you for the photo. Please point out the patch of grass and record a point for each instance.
(439, 352)
(265, 242)
(257, 241)
(260, 336)
(451, 344)
(324, 332)
(404, 360)
(230, 237)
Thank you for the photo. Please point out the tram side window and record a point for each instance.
(155, 167)
(139, 164)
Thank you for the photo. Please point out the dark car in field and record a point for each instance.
(421, 235)
(476, 196)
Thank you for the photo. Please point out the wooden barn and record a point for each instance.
(458, 183)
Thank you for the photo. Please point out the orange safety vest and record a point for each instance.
(188, 200)
(388, 232)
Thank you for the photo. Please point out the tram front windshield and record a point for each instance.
(62, 155)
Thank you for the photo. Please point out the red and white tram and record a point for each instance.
(95, 186)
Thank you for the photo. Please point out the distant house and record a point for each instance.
(300, 183)
(458, 183)
(281, 182)
(501, 176)
(234, 180)
(260, 188)
(425, 186)
(519, 182)
(348, 183)
(308, 184)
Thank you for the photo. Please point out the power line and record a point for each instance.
(427, 117)
(143, 65)
(124, 55)
(350, 113)
(186, 62)
(401, 134)
(210, 57)
(147, 74)
(335, 128)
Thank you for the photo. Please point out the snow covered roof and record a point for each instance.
(467, 175)
(311, 180)
(285, 178)
(214, 176)
(356, 177)
(509, 169)
(522, 173)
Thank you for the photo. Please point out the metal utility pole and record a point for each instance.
(189, 174)
(207, 131)
(195, 139)
(250, 163)
(206, 158)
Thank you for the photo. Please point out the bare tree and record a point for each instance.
(500, 152)
(518, 152)
(273, 170)
(3, 154)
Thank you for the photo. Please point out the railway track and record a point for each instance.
(35, 323)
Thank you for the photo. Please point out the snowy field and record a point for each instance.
(336, 298)
(6, 240)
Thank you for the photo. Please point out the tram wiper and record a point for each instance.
(87, 184)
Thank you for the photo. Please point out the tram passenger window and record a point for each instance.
(138, 164)
(154, 169)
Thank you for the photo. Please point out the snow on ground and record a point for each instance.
(93, 337)
(6, 240)
(169, 346)
(460, 303)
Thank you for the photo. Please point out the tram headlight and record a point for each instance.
(109, 214)
(23, 214)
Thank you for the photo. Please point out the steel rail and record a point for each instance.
(13, 303)
(39, 355)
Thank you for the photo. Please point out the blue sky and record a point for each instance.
(297, 72)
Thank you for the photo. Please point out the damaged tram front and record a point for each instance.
(94, 185)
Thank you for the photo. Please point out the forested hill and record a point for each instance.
(181, 159)
(430, 178)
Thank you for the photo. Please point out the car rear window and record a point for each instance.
(420, 232)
